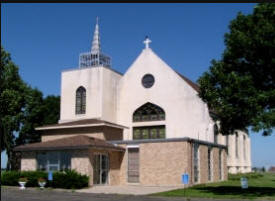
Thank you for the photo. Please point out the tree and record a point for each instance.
(240, 87)
(22, 108)
(32, 117)
(51, 109)
(38, 111)
(12, 103)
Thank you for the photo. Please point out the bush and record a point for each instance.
(33, 176)
(68, 179)
(10, 178)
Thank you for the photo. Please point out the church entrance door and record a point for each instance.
(101, 169)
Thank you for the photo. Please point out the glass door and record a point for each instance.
(53, 161)
(101, 169)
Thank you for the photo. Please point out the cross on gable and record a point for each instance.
(147, 41)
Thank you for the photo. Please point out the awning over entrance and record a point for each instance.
(69, 143)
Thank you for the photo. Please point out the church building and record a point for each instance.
(146, 127)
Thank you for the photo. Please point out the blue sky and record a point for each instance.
(45, 39)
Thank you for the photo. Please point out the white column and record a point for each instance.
(248, 143)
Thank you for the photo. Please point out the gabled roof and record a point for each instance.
(81, 123)
(69, 143)
(191, 84)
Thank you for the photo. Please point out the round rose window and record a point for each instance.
(148, 80)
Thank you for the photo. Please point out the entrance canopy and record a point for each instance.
(69, 143)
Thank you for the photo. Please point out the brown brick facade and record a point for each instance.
(28, 161)
(203, 164)
(161, 163)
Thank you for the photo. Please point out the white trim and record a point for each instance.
(132, 146)
(79, 126)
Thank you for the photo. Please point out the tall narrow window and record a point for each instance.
(80, 103)
(237, 145)
(133, 165)
(220, 165)
(227, 144)
(216, 132)
(226, 140)
(196, 162)
(210, 163)
(244, 147)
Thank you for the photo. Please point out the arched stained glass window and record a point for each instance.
(149, 112)
(80, 103)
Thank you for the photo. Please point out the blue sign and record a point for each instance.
(50, 175)
(185, 178)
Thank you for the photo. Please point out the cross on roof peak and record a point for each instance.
(147, 41)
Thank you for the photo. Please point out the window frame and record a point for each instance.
(220, 164)
(147, 81)
(80, 100)
(210, 163)
(216, 133)
(149, 129)
(60, 156)
(236, 145)
(148, 112)
(196, 162)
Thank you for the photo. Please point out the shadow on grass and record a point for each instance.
(237, 191)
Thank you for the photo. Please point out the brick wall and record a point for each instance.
(28, 161)
(163, 163)
(203, 157)
(81, 162)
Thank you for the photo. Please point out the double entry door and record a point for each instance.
(101, 169)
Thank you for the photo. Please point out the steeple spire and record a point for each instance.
(96, 40)
(94, 58)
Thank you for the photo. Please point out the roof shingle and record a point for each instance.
(69, 143)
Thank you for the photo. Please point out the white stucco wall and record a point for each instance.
(113, 97)
(186, 114)
(100, 84)
(237, 162)
(110, 81)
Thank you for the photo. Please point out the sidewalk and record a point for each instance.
(127, 190)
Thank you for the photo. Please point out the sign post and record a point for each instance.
(50, 177)
(185, 181)
(244, 183)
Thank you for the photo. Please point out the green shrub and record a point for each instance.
(33, 176)
(10, 178)
(68, 179)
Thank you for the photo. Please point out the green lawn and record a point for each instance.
(260, 186)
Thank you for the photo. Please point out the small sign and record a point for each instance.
(50, 175)
(185, 178)
(244, 183)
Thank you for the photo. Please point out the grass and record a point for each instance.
(260, 186)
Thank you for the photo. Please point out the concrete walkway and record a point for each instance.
(133, 190)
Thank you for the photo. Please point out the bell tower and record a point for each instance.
(95, 58)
